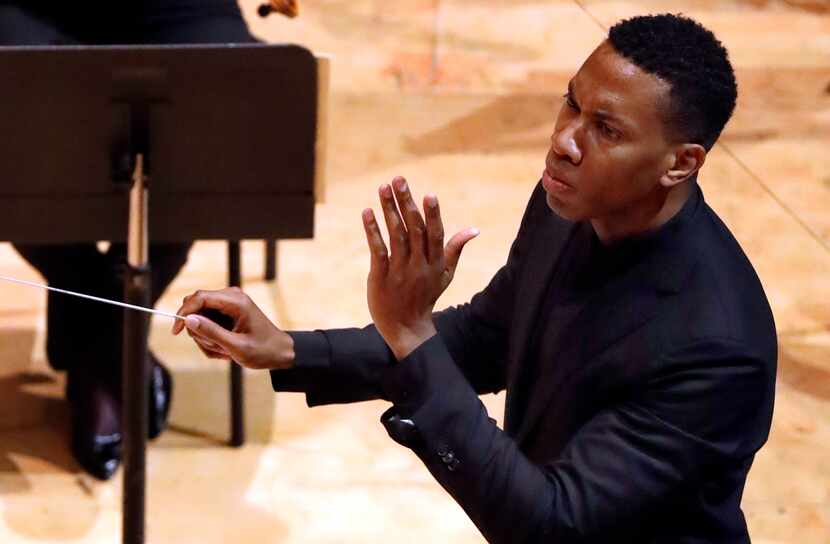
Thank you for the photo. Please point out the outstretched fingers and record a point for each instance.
(398, 239)
(435, 229)
(452, 252)
(377, 248)
(414, 222)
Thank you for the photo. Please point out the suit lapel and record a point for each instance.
(618, 310)
(615, 312)
(543, 255)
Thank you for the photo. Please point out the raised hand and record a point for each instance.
(404, 284)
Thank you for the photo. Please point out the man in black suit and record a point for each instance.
(632, 334)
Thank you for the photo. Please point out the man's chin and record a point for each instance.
(562, 210)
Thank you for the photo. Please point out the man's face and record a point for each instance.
(609, 149)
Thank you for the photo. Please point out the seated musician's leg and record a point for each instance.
(76, 267)
(83, 338)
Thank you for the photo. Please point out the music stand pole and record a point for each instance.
(136, 372)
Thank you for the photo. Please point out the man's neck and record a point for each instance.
(648, 215)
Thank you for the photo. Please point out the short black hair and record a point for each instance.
(687, 56)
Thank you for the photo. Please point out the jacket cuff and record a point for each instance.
(410, 382)
(312, 351)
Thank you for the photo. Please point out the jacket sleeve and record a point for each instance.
(710, 404)
(345, 365)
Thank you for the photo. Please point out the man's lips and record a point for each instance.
(554, 184)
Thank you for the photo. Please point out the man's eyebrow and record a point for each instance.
(600, 113)
(608, 116)
(571, 92)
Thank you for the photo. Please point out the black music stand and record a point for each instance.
(189, 142)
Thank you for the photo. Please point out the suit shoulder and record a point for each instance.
(723, 296)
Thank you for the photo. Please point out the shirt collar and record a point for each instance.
(669, 263)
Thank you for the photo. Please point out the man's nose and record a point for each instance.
(564, 143)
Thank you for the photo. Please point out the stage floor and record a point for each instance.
(460, 97)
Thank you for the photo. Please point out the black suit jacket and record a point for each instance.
(663, 390)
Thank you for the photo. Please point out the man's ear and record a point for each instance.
(684, 163)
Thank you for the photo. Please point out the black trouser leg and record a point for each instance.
(72, 322)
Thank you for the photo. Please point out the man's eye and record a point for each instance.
(569, 100)
(607, 130)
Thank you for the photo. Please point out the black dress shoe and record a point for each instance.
(95, 420)
(161, 394)
(98, 455)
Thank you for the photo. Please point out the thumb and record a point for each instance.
(206, 328)
(453, 250)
